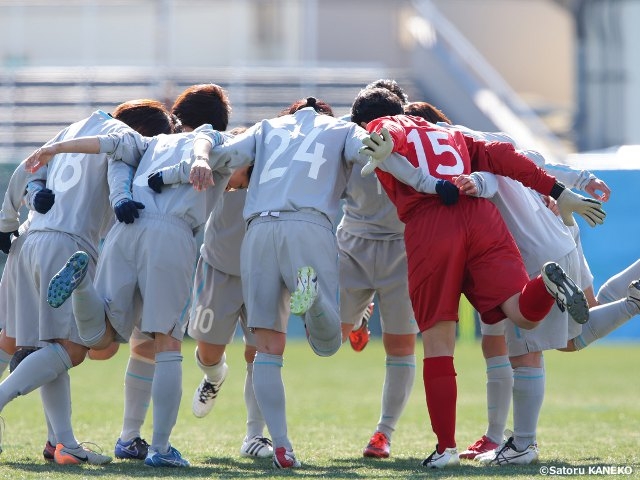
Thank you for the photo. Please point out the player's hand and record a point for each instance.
(596, 185)
(5, 240)
(551, 204)
(466, 185)
(39, 158)
(44, 200)
(447, 192)
(126, 210)
(378, 146)
(155, 182)
(590, 210)
(201, 175)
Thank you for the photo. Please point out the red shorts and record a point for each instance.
(463, 248)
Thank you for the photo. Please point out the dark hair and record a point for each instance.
(147, 117)
(392, 86)
(426, 111)
(318, 105)
(201, 104)
(372, 103)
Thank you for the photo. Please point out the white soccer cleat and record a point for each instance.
(256, 446)
(205, 395)
(507, 454)
(633, 293)
(448, 458)
(567, 294)
(306, 291)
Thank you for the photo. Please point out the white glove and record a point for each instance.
(378, 147)
(589, 209)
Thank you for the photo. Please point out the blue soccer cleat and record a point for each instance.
(67, 279)
(135, 449)
(171, 459)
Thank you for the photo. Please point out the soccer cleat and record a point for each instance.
(135, 449)
(74, 456)
(256, 446)
(205, 395)
(359, 338)
(283, 458)
(483, 445)
(67, 279)
(378, 447)
(306, 291)
(448, 458)
(567, 294)
(171, 459)
(506, 454)
(633, 294)
(48, 452)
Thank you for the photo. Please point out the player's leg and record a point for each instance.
(441, 391)
(211, 360)
(138, 380)
(616, 287)
(499, 389)
(7, 349)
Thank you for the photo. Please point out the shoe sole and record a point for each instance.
(67, 279)
(574, 299)
(306, 291)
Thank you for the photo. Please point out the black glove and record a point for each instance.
(447, 192)
(155, 182)
(127, 210)
(5, 240)
(43, 200)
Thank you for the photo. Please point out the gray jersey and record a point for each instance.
(224, 232)
(80, 185)
(148, 155)
(368, 212)
(302, 162)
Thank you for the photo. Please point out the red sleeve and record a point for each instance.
(501, 158)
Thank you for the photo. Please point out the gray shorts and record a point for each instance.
(9, 289)
(151, 260)
(217, 307)
(369, 267)
(42, 255)
(272, 251)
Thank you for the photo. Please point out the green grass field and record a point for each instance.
(591, 418)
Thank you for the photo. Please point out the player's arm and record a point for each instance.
(502, 158)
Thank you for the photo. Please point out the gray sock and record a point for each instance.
(34, 371)
(499, 392)
(5, 358)
(51, 436)
(56, 400)
(398, 382)
(603, 320)
(88, 309)
(255, 420)
(166, 392)
(616, 287)
(213, 373)
(528, 395)
(269, 391)
(137, 396)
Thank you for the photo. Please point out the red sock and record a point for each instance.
(535, 301)
(439, 376)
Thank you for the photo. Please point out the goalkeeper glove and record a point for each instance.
(127, 210)
(447, 192)
(5, 240)
(155, 182)
(378, 147)
(589, 209)
(43, 200)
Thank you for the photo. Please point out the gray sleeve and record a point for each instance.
(486, 183)
(128, 146)
(120, 178)
(15, 193)
(403, 170)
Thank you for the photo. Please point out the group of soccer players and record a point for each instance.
(437, 220)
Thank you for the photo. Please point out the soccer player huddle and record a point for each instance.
(106, 256)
